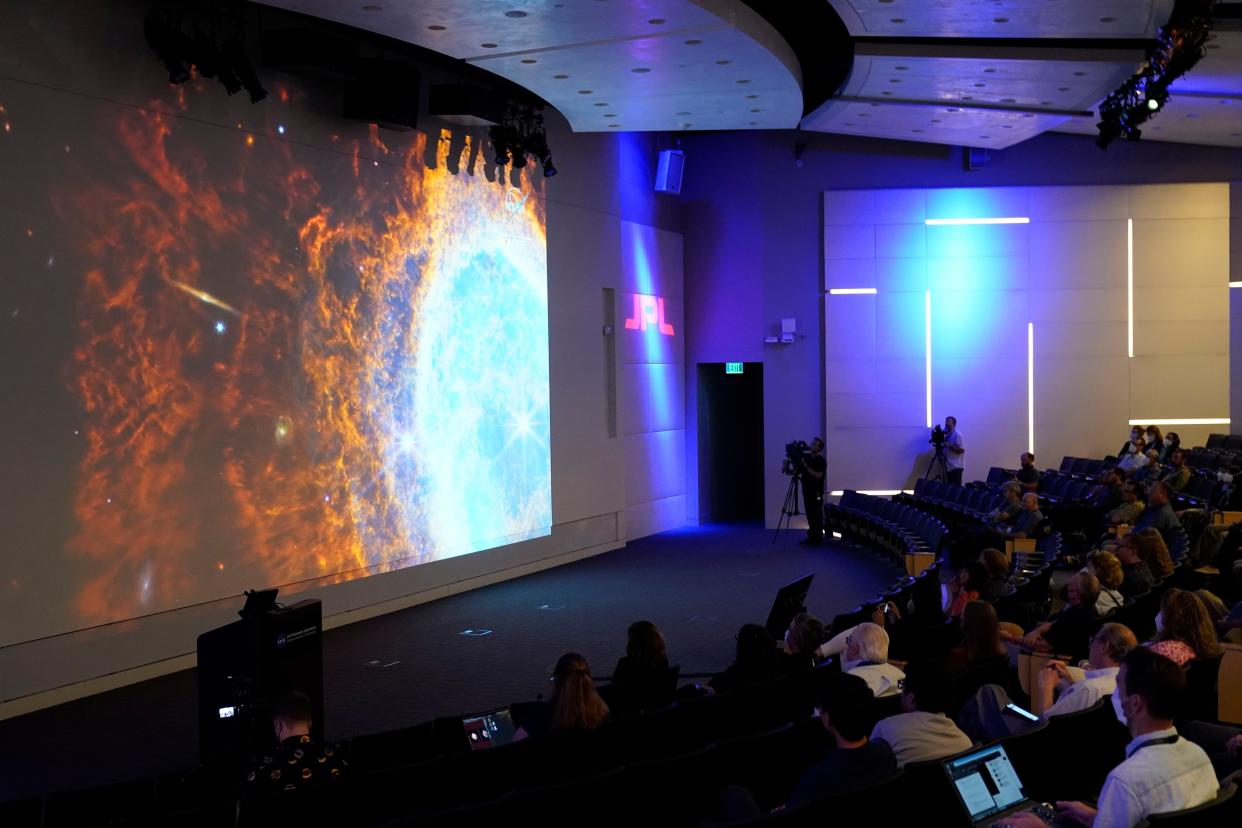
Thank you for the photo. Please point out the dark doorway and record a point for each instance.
(730, 442)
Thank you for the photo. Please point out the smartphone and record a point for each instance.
(1026, 714)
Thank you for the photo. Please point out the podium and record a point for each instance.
(246, 665)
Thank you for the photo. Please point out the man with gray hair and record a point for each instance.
(866, 656)
(1079, 689)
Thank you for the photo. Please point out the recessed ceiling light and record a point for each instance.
(372, 8)
(989, 71)
(985, 137)
(743, 81)
(723, 62)
(515, 14)
(756, 110)
(694, 42)
(1006, 126)
(487, 45)
(584, 91)
(886, 92)
(898, 20)
(560, 77)
(1063, 89)
(1235, 135)
(980, 85)
(1079, 74)
(1008, 100)
(849, 123)
(967, 98)
(657, 21)
(601, 103)
(1107, 19)
(752, 97)
(916, 130)
(614, 126)
(953, 109)
(437, 28)
(754, 123)
(1028, 115)
(935, 120)
(640, 70)
(1000, 19)
(894, 80)
(1045, 103)
(901, 68)
(529, 60)
(863, 115)
(609, 115)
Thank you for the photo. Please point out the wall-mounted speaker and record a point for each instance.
(669, 170)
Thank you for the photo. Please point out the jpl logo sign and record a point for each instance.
(648, 310)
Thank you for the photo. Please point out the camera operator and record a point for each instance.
(811, 469)
(954, 449)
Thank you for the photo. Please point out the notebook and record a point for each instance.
(989, 788)
(486, 730)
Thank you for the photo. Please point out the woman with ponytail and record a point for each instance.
(574, 706)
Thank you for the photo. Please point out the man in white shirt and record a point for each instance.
(1080, 689)
(866, 656)
(1162, 772)
(923, 731)
(954, 451)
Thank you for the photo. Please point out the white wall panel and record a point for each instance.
(1065, 272)
(849, 241)
(653, 397)
(849, 273)
(655, 466)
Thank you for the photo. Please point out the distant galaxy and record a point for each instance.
(292, 365)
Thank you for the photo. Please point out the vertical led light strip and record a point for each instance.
(1130, 286)
(1030, 387)
(927, 349)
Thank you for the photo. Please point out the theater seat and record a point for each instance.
(1225, 811)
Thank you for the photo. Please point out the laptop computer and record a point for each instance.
(989, 788)
(487, 730)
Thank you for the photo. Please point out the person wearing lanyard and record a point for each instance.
(1162, 772)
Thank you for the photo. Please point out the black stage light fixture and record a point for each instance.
(1180, 44)
(207, 36)
(500, 144)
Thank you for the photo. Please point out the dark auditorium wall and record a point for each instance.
(90, 56)
(754, 244)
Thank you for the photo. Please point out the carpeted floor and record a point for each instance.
(697, 584)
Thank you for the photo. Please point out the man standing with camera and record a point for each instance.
(954, 451)
(811, 469)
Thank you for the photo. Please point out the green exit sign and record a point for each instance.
(733, 367)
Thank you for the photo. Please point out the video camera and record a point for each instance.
(937, 438)
(795, 453)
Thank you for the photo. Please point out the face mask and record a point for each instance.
(1118, 710)
(1160, 622)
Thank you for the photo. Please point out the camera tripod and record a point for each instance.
(938, 464)
(789, 507)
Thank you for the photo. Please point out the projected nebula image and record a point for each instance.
(283, 363)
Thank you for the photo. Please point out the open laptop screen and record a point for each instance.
(985, 782)
(487, 730)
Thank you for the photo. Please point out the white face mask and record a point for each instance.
(1117, 708)
(1160, 621)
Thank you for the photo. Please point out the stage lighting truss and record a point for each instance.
(1180, 44)
(206, 36)
(518, 135)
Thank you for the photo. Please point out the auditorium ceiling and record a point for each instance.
(980, 73)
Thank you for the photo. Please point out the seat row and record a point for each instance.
(913, 538)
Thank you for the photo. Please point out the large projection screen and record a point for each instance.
(235, 356)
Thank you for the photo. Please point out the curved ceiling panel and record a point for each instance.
(1004, 18)
(606, 64)
(938, 96)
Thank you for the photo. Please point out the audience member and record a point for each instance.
(866, 656)
(1130, 508)
(1028, 520)
(1028, 475)
(1153, 550)
(972, 583)
(1153, 439)
(1184, 631)
(1150, 471)
(982, 657)
(1077, 689)
(1136, 577)
(1135, 459)
(922, 731)
(1172, 443)
(1128, 447)
(1011, 505)
(1177, 475)
(297, 761)
(1064, 632)
(1109, 494)
(1105, 566)
(1158, 515)
(643, 679)
(805, 634)
(997, 566)
(845, 709)
(1162, 772)
(756, 660)
(574, 706)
